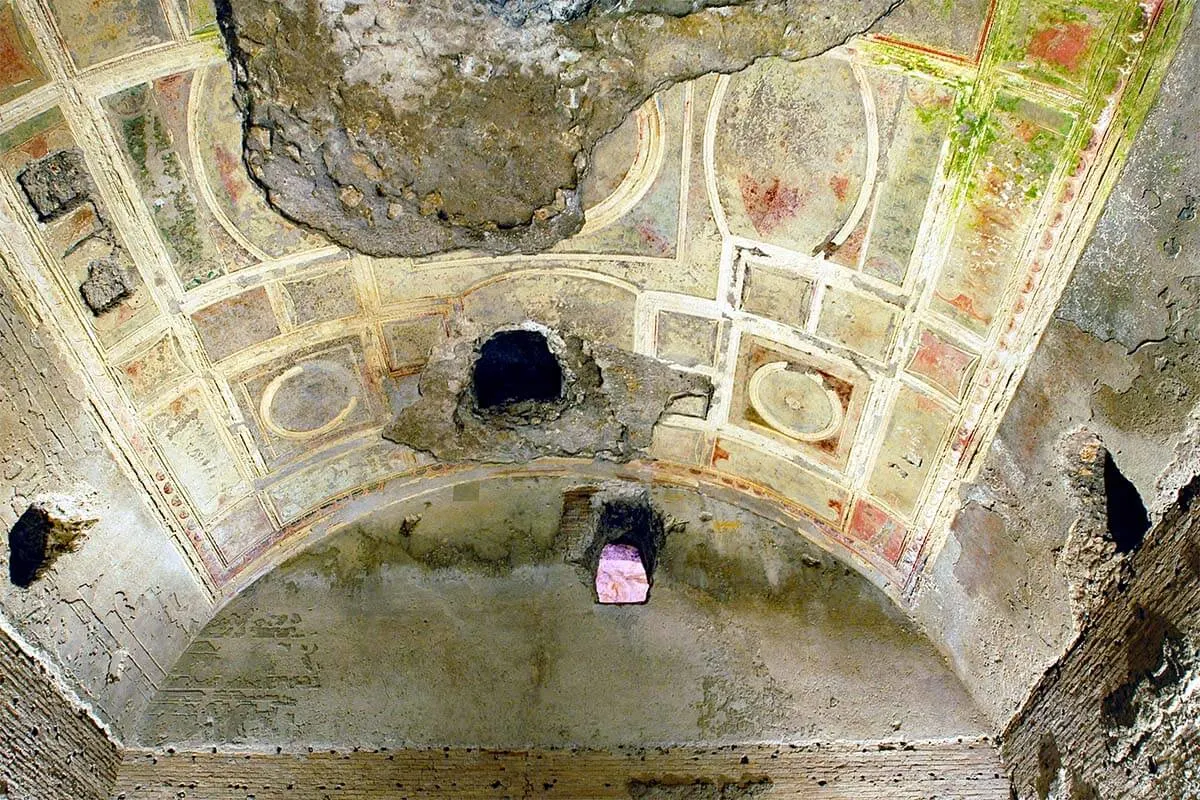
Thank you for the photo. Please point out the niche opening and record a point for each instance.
(1128, 521)
(514, 367)
(630, 533)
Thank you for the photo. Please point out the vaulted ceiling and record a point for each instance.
(859, 251)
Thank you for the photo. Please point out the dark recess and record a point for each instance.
(632, 521)
(515, 367)
(1127, 517)
(28, 543)
(1156, 656)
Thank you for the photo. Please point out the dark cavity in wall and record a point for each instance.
(43, 533)
(1128, 521)
(1157, 658)
(681, 788)
(631, 521)
(596, 517)
(514, 367)
(28, 546)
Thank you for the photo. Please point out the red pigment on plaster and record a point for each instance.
(940, 361)
(966, 305)
(38, 146)
(653, 238)
(840, 184)
(1063, 44)
(227, 165)
(878, 529)
(927, 406)
(768, 205)
(170, 89)
(15, 65)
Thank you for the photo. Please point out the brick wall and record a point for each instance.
(50, 747)
(1119, 715)
(966, 770)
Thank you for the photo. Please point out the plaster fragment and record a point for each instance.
(107, 285)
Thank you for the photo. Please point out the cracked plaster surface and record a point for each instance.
(413, 129)
(611, 402)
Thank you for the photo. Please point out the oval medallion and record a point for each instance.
(797, 404)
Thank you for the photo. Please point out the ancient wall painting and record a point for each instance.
(312, 396)
(322, 297)
(687, 339)
(157, 369)
(1066, 44)
(151, 124)
(681, 445)
(1004, 193)
(201, 15)
(189, 434)
(791, 147)
(914, 117)
(297, 493)
(858, 322)
(598, 310)
(942, 362)
(101, 30)
(21, 67)
(815, 403)
(912, 445)
(232, 325)
(952, 29)
(245, 526)
(775, 293)
(215, 145)
(879, 533)
(50, 174)
(636, 181)
(851, 248)
(820, 498)
(409, 341)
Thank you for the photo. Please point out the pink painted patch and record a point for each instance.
(767, 205)
(876, 528)
(966, 305)
(942, 363)
(1063, 44)
(621, 576)
(840, 184)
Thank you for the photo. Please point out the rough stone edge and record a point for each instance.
(1165, 529)
(58, 679)
(235, 58)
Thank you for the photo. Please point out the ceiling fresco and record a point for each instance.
(860, 251)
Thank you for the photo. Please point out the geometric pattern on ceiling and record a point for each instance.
(861, 250)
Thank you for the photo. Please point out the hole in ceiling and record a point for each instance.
(44, 532)
(1128, 520)
(516, 366)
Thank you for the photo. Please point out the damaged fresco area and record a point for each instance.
(526, 392)
(1105, 416)
(482, 578)
(366, 120)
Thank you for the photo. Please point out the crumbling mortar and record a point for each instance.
(397, 209)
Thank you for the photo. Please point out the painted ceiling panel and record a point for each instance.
(860, 250)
